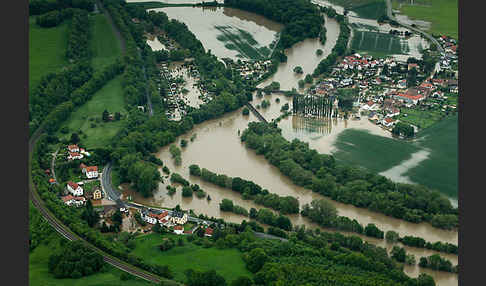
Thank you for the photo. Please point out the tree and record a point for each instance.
(392, 236)
(242, 281)
(75, 138)
(74, 260)
(89, 214)
(298, 70)
(208, 278)
(245, 111)
(255, 259)
(105, 115)
(412, 77)
(187, 191)
(319, 52)
(226, 205)
(308, 79)
(117, 218)
(321, 211)
(301, 83)
(398, 253)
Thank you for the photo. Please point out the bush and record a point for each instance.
(245, 111)
(74, 260)
(187, 191)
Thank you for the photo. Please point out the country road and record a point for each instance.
(53, 162)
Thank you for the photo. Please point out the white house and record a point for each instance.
(178, 229)
(154, 218)
(370, 105)
(74, 189)
(76, 201)
(410, 99)
(387, 121)
(178, 217)
(393, 112)
(73, 148)
(91, 172)
(74, 156)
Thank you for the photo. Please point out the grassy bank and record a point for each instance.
(377, 153)
(443, 15)
(47, 50)
(105, 46)
(39, 275)
(87, 118)
(226, 262)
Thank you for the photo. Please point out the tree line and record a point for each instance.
(349, 184)
(38, 7)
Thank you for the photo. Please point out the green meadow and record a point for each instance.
(442, 14)
(104, 44)
(378, 43)
(87, 118)
(226, 262)
(47, 50)
(377, 153)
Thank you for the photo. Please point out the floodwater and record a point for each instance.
(172, 1)
(202, 23)
(396, 173)
(155, 44)
(303, 54)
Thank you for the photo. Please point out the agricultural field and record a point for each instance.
(39, 275)
(369, 9)
(376, 43)
(442, 14)
(226, 262)
(438, 171)
(421, 119)
(104, 44)
(243, 42)
(47, 50)
(87, 118)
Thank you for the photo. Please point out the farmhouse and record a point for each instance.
(407, 98)
(74, 189)
(74, 156)
(370, 105)
(387, 121)
(73, 148)
(71, 200)
(90, 172)
(208, 232)
(178, 229)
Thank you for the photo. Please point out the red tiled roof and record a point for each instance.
(51, 180)
(370, 103)
(67, 198)
(159, 216)
(82, 166)
(74, 154)
(412, 97)
(73, 185)
(178, 227)
(74, 146)
(92, 169)
(388, 120)
(208, 231)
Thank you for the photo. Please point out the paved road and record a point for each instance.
(432, 39)
(108, 188)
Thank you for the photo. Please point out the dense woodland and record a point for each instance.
(348, 184)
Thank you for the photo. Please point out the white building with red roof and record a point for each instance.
(208, 232)
(408, 98)
(74, 189)
(71, 200)
(178, 229)
(370, 105)
(73, 148)
(387, 121)
(75, 156)
(90, 171)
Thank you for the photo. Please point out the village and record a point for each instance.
(391, 91)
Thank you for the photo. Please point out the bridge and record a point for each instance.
(256, 113)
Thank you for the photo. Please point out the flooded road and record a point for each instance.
(303, 54)
(210, 26)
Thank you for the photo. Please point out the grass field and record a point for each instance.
(421, 119)
(104, 44)
(226, 262)
(376, 43)
(438, 171)
(47, 50)
(109, 97)
(443, 15)
(369, 9)
(39, 275)
(243, 42)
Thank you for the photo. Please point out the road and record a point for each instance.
(432, 39)
(53, 163)
(108, 188)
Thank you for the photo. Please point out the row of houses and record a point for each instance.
(76, 153)
(163, 217)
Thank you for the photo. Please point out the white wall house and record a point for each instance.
(91, 172)
(387, 121)
(74, 189)
(178, 229)
(73, 148)
(178, 218)
(75, 156)
(76, 201)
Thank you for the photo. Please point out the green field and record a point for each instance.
(376, 43)
(242, 41)
(104, 44)
(421, 119)
(47, 50)
(226, 262)
(39, 275)
(369, 9)
(443, 15)
(109, 97)
(438, 171)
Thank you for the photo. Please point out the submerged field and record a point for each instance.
(377, 153)
(226, 262)
(104, 44)
(243, 42)
(369, 9)
(378, 43)
(443, 14)
(87, 118)
(47, 50)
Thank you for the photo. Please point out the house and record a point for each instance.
(91, 172)
(52, 181)
(178, 229)
(411, 66)
(178, 217)
(74, 156)
(208, 232)
(370, 105)
(73, 148)
(74, 189)
(71, 200)
(408, 98)
(393, 112)
(387, 121)
(155, 217)
(97, 194)
(402, 83)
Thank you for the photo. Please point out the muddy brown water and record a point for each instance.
(303, 54)
(202, 23)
